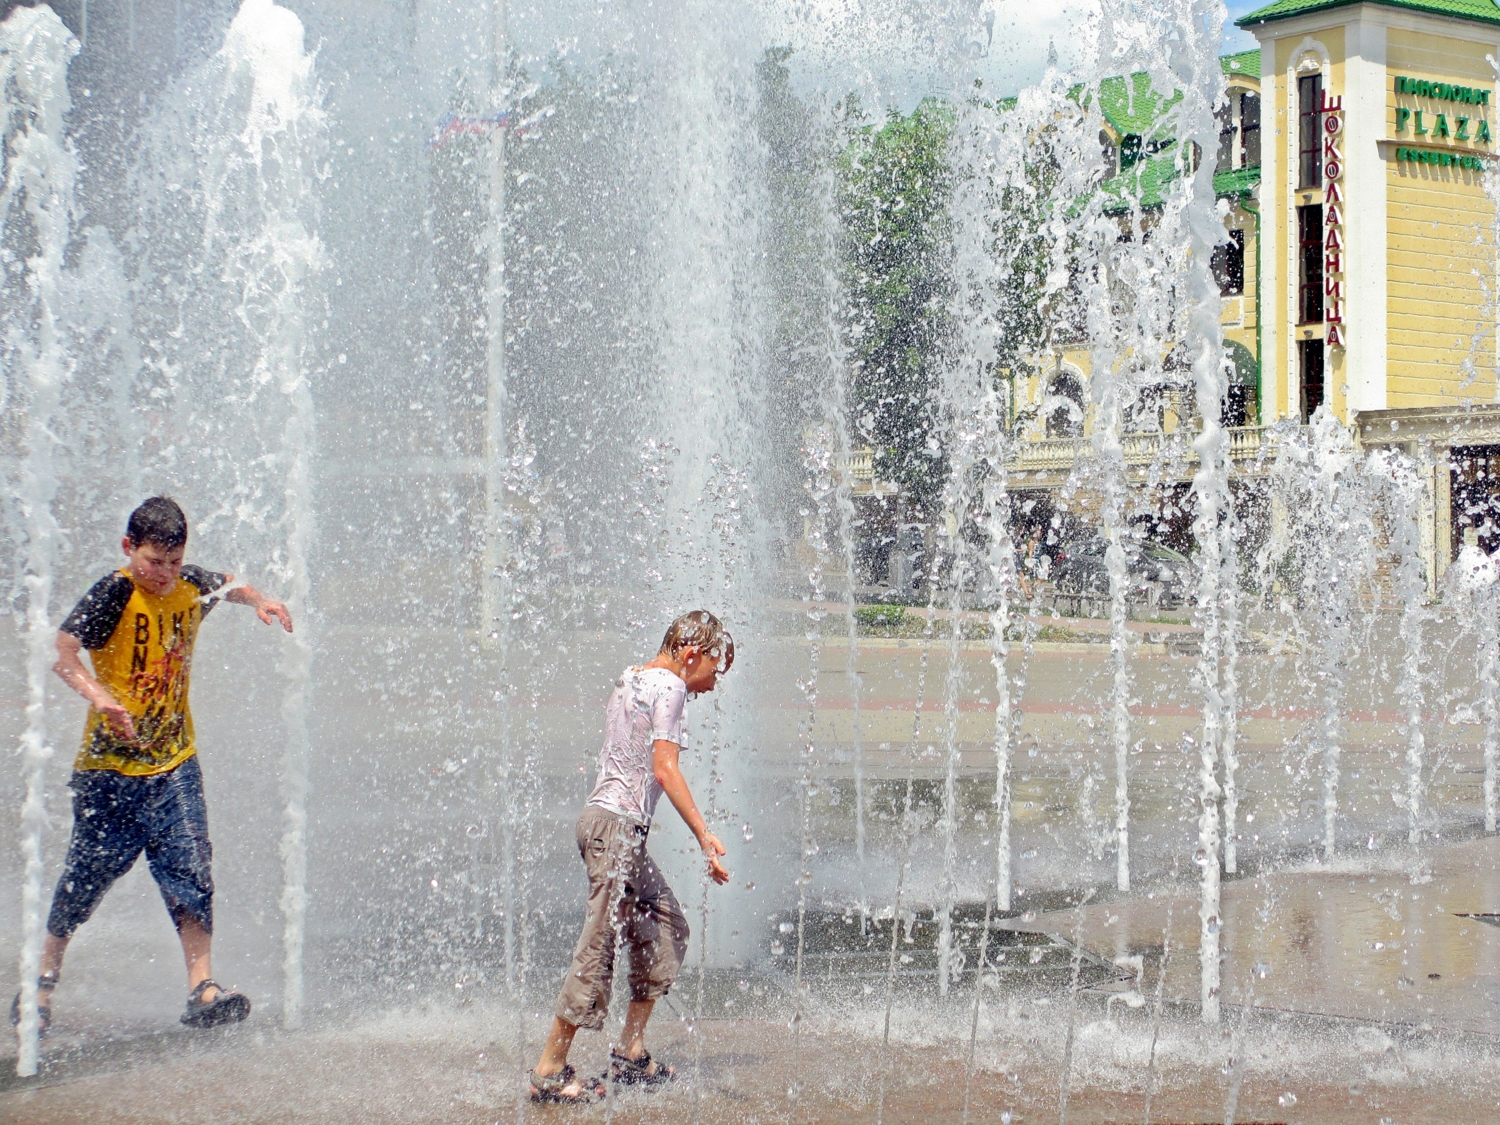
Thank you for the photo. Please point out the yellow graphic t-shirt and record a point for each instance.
(142, 650)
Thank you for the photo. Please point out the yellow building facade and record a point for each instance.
(1404, 95)
(1379, 267)
(1356, 164)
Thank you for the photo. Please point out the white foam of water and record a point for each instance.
(1472, 578)
(1401, 483)
(36, 205)
(272, 262)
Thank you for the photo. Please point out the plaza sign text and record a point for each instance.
(1333, 222)
(1442, 159)
(1442, 91)
(1438, 126)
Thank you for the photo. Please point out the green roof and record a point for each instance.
(1132, 106)
(1143, 184)
(1246, 62)
(1239, 182)
(1146, 183)
(1484, 11)
(1136, 110)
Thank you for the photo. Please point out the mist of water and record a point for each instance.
(36, 212)
(593, 417)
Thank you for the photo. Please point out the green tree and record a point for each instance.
(895, 183)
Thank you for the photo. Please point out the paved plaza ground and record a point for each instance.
(1373, 999)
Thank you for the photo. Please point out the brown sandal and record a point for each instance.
(638, 1072)
(554, 1087)
(227, 1006)
(44, 986)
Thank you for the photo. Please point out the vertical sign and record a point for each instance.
(1333, 222)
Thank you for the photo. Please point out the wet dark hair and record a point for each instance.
(703, 631)
(158, 521)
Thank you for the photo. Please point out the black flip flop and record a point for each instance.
(227, 1006)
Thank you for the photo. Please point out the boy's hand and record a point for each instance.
(116, 717)
(712, 849)
(267, 610)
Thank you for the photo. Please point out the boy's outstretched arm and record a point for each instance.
(669, 777)
(265, 608)
(70, 668)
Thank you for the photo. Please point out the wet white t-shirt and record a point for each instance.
(645, 706)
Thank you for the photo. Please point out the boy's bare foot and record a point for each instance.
(565, 1086)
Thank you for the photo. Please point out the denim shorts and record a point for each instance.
(115, 819)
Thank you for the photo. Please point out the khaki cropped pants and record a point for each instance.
(629, 901)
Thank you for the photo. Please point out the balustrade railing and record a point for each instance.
(1060, 454)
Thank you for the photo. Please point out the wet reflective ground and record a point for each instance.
(1371, 983)
(1388, 939)
(450, 1063)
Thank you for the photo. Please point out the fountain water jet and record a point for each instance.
(36, 205)
(1400, 483)
(259, 228)
(1473, 578)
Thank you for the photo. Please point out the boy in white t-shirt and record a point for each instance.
(628, 897)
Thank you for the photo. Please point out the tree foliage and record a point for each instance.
(895, 185)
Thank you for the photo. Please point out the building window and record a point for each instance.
(1239, 401)
(1310, 360)
(1063, 407)
(1475, 494)
(1224, 115)
(1229, 264)
(1239, 132)
(1249, 130)
(1310, 131)
(1310, 264)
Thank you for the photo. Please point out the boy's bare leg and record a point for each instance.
(559, 1043)
(53, 949)
(195, 951)
(633, 1034)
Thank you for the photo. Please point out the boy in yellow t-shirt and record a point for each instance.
(136, 782)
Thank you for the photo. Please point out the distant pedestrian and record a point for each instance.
(629, 900)
(1033, 568)
(136, 782)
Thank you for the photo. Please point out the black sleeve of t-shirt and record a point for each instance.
(207, 581)
(94, 618)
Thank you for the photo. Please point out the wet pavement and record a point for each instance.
(1388, 939)
(461, 1066)
(1376, 1000)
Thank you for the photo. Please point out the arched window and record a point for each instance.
(1063, 406)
